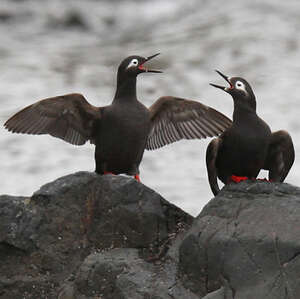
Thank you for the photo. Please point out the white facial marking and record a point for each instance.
(133, 63)
(240, 85)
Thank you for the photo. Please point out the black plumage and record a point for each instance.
(121, 131)
(248, 145)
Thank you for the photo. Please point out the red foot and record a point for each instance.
(137, 177)
(238, 179)
(108, 172)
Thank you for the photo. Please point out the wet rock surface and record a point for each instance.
(122, 273)
(90, 236)
(45, 239)
(245, 244)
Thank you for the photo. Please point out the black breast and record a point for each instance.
(122, 137)
(244, 149)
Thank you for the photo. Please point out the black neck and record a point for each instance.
(241, 113)
(126, 89)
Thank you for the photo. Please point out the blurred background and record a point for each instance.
(49, 48)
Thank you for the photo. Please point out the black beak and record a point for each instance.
(144, 69)
(222, 87)
(152, 56)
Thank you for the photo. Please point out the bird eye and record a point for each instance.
(134, 62)
(239, 85)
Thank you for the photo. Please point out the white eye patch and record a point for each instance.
(133, 63)
(240, 85)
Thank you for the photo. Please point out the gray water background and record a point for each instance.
(49, 48)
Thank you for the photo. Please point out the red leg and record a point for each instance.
(137, 177)
(237, 179)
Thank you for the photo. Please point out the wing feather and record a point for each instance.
(174, 118)
(69, 117)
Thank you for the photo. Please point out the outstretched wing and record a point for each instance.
(174, 118)
(280, 157)
(69, 117)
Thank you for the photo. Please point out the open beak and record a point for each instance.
(223, 87)
(144, 69)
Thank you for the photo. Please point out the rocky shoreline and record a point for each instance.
(90, 236)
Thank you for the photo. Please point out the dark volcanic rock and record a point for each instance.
(105, 211)
(122, 274)
(110, 237)
(15, 217)
(45, 238)
(245, 244)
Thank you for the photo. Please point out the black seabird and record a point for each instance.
(122, 130)
(248, 145)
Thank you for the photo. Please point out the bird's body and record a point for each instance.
(121, 137)
(123, 130)
(248, 145)
(244, 148)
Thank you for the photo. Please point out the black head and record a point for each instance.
(134, 65)
(239, 89)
